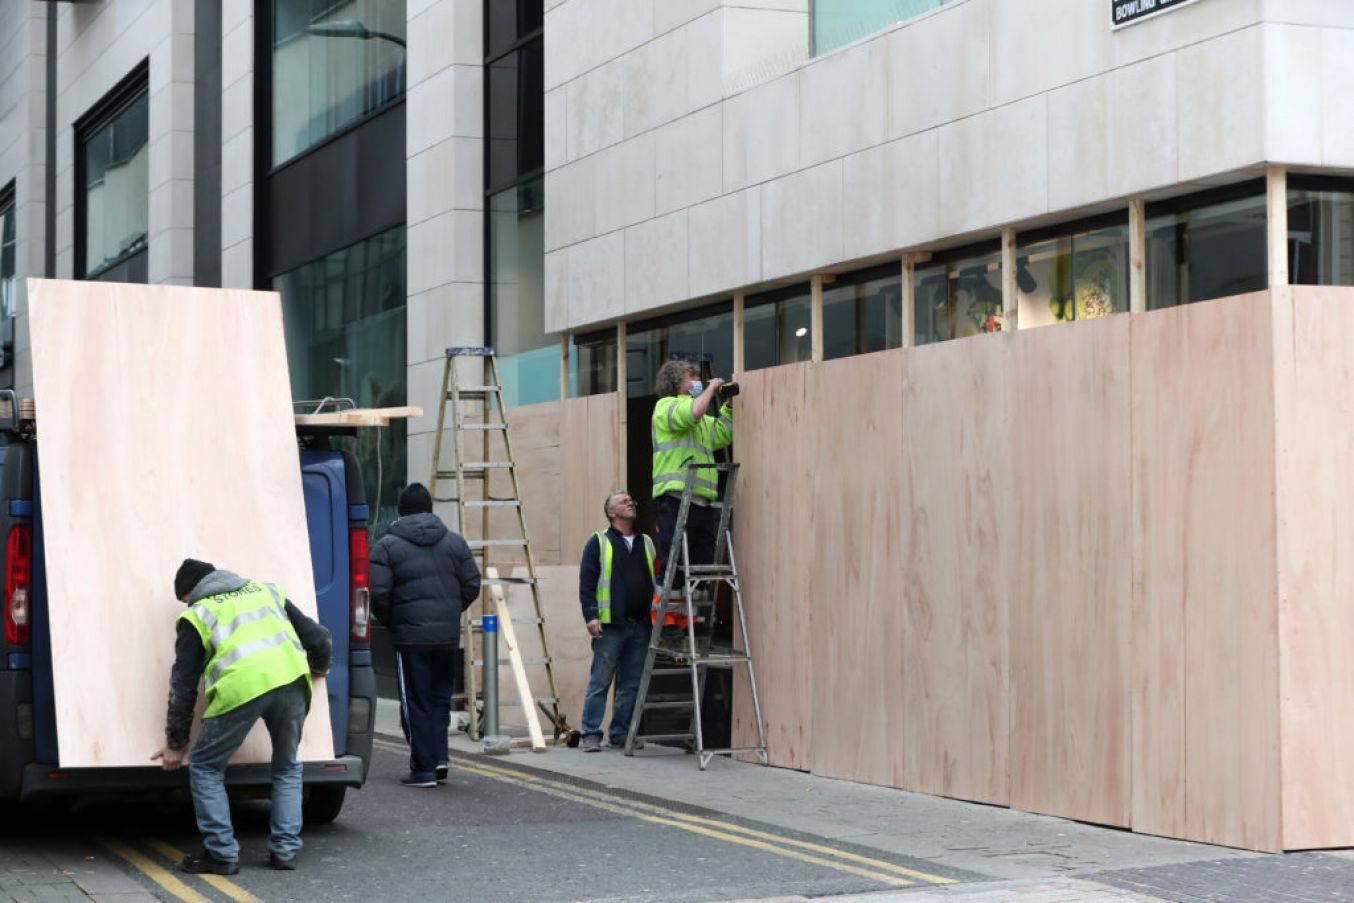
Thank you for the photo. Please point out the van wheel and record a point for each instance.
(322, 805)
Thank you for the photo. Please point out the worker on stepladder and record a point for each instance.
(615, 586)
(687, 427)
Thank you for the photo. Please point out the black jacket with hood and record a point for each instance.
(422, 577)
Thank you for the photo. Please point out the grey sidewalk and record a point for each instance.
(67, 873)
(1024, 856)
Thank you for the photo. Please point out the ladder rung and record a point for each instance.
(485, 543)
(670, 671)
(507, 581)
(711, 569)
(661, 737)
(676, 704)
(473, 390)
(486, 465)
(494, 503)
(484, 426)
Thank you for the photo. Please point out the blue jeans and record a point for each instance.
(619, 652)
(283, 711)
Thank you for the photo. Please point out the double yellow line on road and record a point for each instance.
(879, 870)
(169, 881)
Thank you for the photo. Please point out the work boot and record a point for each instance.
(281, 863)
(204, 863)
(420, 779)
(591, 744)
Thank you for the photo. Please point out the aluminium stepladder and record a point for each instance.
(694, 595)
(477, 410)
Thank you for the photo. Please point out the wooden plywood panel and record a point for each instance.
(534, 431)
(1069, 619)
(588, 434)
(1314, 368)
(775, 538)
(570, 645)
(956, 538)
(853, 543)
(1204, 470)
(166, 433)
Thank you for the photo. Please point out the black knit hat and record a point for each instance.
(190, 573)
(415, 500)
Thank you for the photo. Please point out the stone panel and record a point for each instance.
(656, 262)
(938, 69)
(802, 221)
(761, 133)
(890, 195)
(596, 278)
(624, 188)
(1221, 110)
(832, 126)
(655, 83)
(1078, 144)
(1143, 128)
(688, 160)
(726, 242)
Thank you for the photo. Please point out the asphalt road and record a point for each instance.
(492, 832)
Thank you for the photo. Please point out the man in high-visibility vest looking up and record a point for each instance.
(255, 653)
(687, 427)
(615, 586)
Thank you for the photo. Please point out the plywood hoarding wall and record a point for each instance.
(1095, 570)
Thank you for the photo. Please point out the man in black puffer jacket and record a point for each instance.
(422, 577)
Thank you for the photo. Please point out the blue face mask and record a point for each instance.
(697, 387)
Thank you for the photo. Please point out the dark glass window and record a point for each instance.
(700, 335)
(776, 327)
(863, 311)
(509, 21)
(334, 61)
(1321, 233)
(345, 328)
(8, 261)
(516, 98)
(1079, 274)
(529, 361)
(959, 295)
(592, 364)
(1207, 246)
(113, 176)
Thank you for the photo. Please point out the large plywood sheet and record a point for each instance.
(776, 541)
(854, 549)
(588, 438)
(1205, 725)
(1314, 368)
(956, 540)
(166, 433)
(1069, 618)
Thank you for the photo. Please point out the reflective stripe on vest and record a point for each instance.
(606, 552)
(250, 645)
(673, 449)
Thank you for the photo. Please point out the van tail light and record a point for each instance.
(360, 569)
(18, 584)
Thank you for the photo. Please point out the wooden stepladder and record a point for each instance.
(477, 413)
